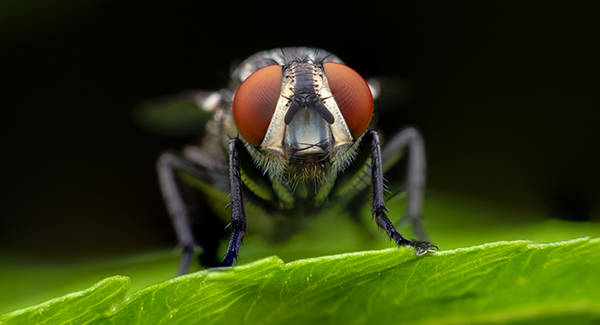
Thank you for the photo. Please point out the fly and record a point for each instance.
(290, 133)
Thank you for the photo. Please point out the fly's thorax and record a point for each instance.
(219, 130)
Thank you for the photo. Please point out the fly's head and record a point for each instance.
(303, 119)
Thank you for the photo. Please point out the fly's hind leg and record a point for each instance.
(415, 175)
(169, 163)
(415, 188)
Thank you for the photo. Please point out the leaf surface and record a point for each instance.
(499, 282)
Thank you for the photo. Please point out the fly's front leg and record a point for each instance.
(238, 213)
(415, 175)
(167, 163)
(378, 208)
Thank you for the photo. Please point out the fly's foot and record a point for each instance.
(188, 251)
(416, 221)
(423, 247)
(229, 257)
(228, 260)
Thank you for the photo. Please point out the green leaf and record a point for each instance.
(80, 307)
(501, 282)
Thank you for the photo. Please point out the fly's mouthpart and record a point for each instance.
(320, 150)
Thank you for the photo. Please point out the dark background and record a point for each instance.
(506, 95)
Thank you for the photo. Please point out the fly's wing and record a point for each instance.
(183, 114)
(389, 93)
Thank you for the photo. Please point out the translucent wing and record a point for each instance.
(178, 115)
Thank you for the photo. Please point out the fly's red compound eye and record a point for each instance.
(352, 95)
(255, 102)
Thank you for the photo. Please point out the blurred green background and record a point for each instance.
(506, 96)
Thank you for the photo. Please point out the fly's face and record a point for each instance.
(303, 113)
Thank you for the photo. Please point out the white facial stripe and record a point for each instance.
(338, 133)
